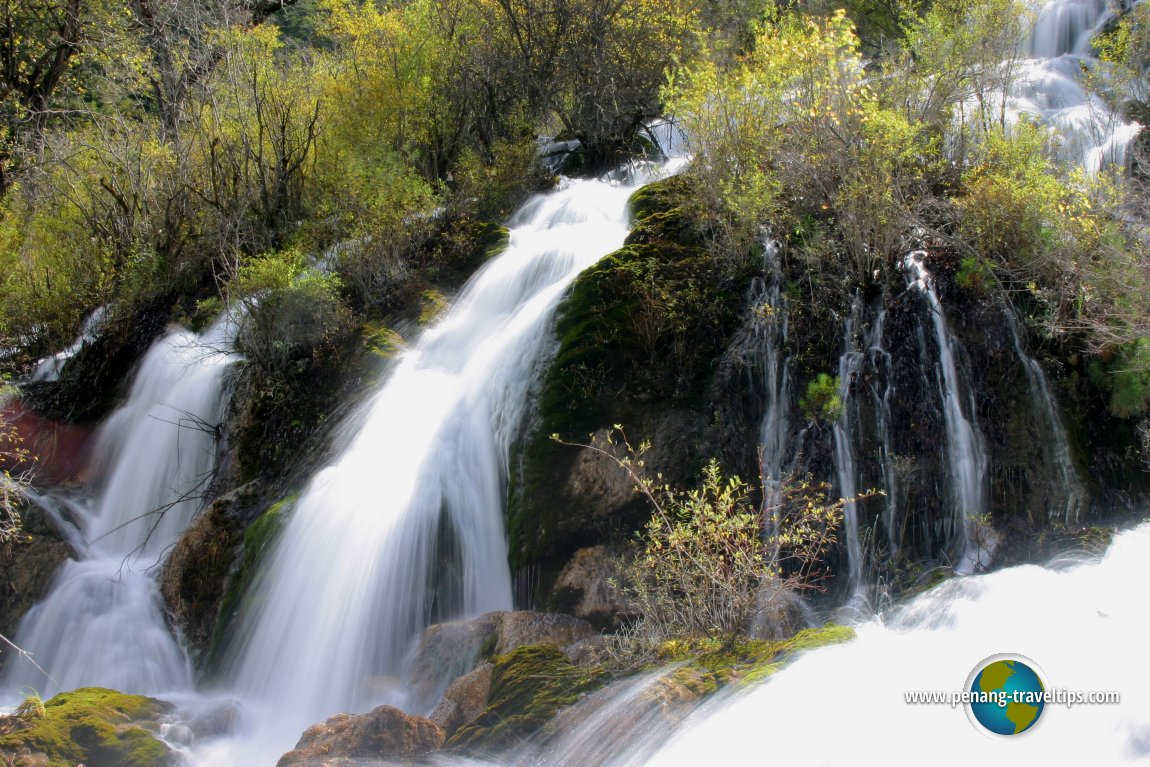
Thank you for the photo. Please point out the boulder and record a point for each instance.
(91, 726)
(584, 588)
(382, 733)
(464, 700)
(28, 565)
(449, 650)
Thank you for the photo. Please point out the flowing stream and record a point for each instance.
(102, 623)
(406, 527)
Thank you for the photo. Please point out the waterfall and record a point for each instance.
(1056, 444)
(1084, 623)
(406, 526)
(863, 352)
(769, 330)
(844, 459)
(48, 368)
(102, 622)
(965, 453)
(1050, 88)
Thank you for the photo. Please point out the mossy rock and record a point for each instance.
(709, 665)
(529, 686)
(93, 726)
(640, 338)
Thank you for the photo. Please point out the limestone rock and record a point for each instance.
(382, 733)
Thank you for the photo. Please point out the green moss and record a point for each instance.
(92, 726)
(528, 687)
(711, 662)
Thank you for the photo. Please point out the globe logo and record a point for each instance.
(1007, 695)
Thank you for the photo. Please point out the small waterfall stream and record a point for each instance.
(1056, 443)
(965, 452)
(361, 567)
(102, 623)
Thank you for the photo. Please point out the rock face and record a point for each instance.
(449, 650)
(28, 564)
(383, 733)
(583, 588)
(91, 726)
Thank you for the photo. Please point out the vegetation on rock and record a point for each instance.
(92, 726)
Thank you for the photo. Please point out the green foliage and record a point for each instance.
(292, 309)
(822, 401)
(703, 566)
(1127, 379)
(974, 274)
(93, 726)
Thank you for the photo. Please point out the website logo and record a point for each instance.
(1007, 695)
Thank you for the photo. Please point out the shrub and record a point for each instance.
(711, 561)
(822, 401)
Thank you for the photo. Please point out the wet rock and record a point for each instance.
(584, 589)
(529, 686)
(588, 652)
(464, 700)
(28, 564)
(520, 629)
(449, 650)
(382, 733)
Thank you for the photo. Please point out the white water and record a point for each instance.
(362, 565)
(1085, 626)
(102, 623)
(965, 453)
(48, 368)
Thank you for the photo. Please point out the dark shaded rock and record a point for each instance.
(92, 382)
(211, 563)
(382, 733)
(91, 726)
(28, 565)
(584, 589)
(464, 700)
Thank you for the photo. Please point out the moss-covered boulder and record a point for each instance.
(211, 565)
(640, 341)
(28, 565)
(92, 726)
(529, 686)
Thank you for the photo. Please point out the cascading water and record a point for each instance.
(1056, 443)
(844, 458)
(965, 453)
(48, 369)
(1050, 87)
(863, 352)
(362, 565)
(102, 622)
(769, 332)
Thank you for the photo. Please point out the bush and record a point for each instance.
(711, 562)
